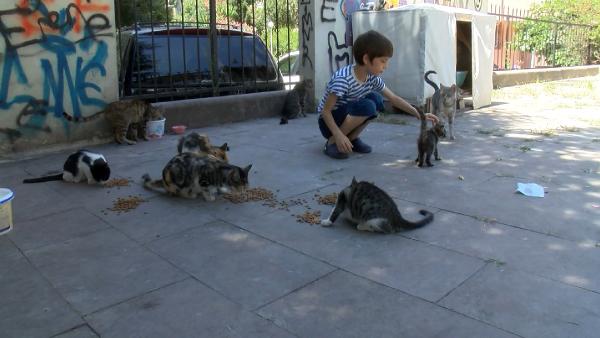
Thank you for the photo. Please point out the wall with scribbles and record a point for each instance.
(57, 60)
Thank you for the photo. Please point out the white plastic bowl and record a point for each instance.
(155, 129)
(6, 217)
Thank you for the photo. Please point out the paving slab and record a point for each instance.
(83, 331)
(102, 269)
(527, 305)
(263, 270)
(344, 305)
(574, 263)
(31, 307)
(183, 309)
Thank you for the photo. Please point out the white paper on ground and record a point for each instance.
(530, 189)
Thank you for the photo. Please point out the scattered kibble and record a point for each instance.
(461, 177)
(309, 217)
(328, 199)
(250, 195)
(125, 204)
(117, 182)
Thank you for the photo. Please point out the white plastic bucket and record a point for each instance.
(155, 129)
(6, 217)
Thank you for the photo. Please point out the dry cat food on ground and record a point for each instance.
(309, 217)
(117, 182)
(124, 204)
(328, 199)
(250, 195)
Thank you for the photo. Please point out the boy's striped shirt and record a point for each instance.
(347, 89)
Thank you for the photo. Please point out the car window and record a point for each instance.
(239, 57)
(286, 65)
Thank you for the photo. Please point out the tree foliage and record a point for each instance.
(553, 35)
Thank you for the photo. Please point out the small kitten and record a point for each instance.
(127, 117)
(80, 166)
(295, 101)
(372, 209)
(189, 175)
(200, 144)
(444, 100)
(427, 143)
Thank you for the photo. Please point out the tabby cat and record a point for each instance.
(443, 100)
(295, 101)
(127, 117)
(200, 144)
(372, 209)
(80, 166)
(427, 143)
(189, 175)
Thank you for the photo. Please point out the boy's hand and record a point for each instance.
(343, 144)
(432, 118)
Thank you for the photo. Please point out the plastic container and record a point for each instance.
(6, 217)
(461, 75)
(179, 129)
(155, 129)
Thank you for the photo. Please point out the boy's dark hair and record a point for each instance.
(372, 43)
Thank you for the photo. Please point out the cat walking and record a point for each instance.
(443, 101)
(372, 209)
(294, 105)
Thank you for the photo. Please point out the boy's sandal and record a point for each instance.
(359, 146)
(332, 151)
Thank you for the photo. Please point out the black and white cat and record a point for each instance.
(371, 209)
(81, 166)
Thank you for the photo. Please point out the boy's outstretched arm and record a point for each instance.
(341, 141)
(399, 102)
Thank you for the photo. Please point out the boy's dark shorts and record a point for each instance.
(367, 106)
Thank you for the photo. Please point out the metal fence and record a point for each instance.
(523, 42)
(179, 49)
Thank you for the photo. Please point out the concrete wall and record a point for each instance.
(56, 56)
(507, 78)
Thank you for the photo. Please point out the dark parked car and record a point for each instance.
(175, 63)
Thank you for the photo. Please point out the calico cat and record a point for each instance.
(295, 101)
(427, 143)
(443, 100)
(200, 144)
(80, 166)
(189, 175)
(127, 117)
(372, 209)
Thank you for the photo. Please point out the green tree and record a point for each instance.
(551, 36)
(141, 11)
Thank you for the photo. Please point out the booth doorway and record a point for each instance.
(464, 55)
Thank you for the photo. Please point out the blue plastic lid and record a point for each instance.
(6, 195)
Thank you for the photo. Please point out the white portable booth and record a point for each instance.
(432, 37)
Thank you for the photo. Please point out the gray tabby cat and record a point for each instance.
(191, 175)
(443, 100)
(127, 117)
(295, 101)
(428, 140)
(372, 209)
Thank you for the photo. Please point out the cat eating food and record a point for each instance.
(372, 209)
(127, 118)
(428, 140)
(443, 100)
(191, 175)
(81, 166)
(200, 144)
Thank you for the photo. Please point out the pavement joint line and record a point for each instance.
(84, 324)
(257, 309)
(476, 272)
(145, 244)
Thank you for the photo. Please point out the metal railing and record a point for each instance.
(181, 49)
(523, 42)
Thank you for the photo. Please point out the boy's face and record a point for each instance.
(377, 65)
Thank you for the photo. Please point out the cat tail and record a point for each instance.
(71, 118)
(154, 185)
(423, 120)
(57, 177)
(407, 225)
(431, 83)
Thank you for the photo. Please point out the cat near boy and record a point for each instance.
(354, 95)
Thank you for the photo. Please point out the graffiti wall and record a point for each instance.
(57, 65)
